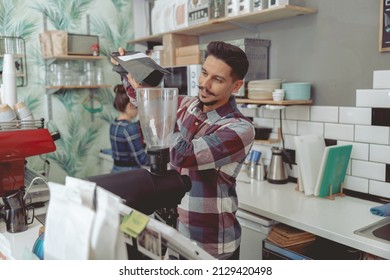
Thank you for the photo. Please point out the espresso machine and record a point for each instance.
(15, 146)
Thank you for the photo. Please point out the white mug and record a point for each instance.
(7, 117)
(24, 114)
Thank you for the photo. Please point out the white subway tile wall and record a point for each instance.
(381, 79)
(380, 153)
(288, 127)
(379, 188)
(356, 184)
(374, 98)
(369, 168)
(305, 128)
(298, 113)
(372, 134)
(324, 114)
(359, 150)
(264, 122)
(339, 131)
(352, 115)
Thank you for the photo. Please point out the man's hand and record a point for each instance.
(132, 81)
(121, 52)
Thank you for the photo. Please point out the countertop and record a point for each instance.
(332, 219)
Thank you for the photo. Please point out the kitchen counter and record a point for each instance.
(22, 242)
(335, 220)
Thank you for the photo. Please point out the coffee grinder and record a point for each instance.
(157, 108)
(159, 188)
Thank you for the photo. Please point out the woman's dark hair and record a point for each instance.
(121, 99)
(232, 56)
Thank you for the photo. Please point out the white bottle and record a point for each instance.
(9, 81)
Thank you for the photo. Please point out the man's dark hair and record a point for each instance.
(232, 56)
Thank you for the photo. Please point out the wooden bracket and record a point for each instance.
(332, 196)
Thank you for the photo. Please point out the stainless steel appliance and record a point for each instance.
(277, 172)
(184, 78)
(17, 214)
(18, 143)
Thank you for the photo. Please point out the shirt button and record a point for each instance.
(196, 123)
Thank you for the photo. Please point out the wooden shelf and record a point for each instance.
(235, 22)
(271, 102)
(14, 55)
(78, 87)
(18, 75)
(53, 89)
(74, 57)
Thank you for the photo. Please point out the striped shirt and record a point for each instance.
(127, 142)
(210, 148)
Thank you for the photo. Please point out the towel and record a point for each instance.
(383, 210)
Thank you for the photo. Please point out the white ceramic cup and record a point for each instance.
(278, 94)
(23, 112)
(278, 91)
(7, 117)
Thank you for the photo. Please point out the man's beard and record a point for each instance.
(211, 103)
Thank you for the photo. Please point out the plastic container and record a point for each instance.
(297, 91)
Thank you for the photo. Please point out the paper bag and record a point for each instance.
(144, 70)
(107, 242)
(54, 43)
(68, 225)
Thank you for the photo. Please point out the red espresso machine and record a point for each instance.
(15, 146)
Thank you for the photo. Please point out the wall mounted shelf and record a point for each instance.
(74, 57)
(271, 102)
(247, 21)
(53, 89)
(92, 86)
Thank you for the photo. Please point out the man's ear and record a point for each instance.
(237, 85)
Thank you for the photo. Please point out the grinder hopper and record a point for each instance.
(157, 109)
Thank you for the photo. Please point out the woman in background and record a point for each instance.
(125, 135)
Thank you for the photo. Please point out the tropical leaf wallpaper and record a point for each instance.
(81, 116)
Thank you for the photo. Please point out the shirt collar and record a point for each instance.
(222, 111)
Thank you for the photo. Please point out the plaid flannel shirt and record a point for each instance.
(127, 142)
(210, 148)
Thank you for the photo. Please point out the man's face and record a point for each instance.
(216, 84)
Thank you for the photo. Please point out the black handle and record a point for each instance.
(286, 158)
(55, 135)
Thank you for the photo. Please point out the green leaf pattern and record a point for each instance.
(81, 138)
